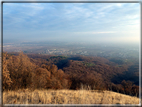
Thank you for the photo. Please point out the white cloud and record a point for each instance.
(100, 32)
(80, 19)
(119, 4)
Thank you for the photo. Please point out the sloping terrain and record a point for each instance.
(67, 97)
(69, 72)
(66, 80)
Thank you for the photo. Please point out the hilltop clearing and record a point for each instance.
(67, 97)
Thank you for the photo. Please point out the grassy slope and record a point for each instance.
(66, 97)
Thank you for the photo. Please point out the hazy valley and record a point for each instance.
(60, 66)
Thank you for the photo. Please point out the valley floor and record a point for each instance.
(66, 97)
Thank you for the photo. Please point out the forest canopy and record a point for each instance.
(36, 71)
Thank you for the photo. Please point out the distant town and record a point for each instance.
(101, 50)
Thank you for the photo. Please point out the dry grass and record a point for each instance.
(66, 97)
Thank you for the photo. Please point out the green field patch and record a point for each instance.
(62, 57)
(88, 64)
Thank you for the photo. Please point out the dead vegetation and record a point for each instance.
(19, 72)
(25, 82)
(43, 96)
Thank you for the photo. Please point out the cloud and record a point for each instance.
(74, 18)
(102, 32)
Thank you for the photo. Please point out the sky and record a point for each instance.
(79, 22)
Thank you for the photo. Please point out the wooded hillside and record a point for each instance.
(60, 72)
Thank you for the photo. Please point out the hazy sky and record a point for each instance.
(89, 22)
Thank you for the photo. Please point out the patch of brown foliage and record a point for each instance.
(19, 72)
